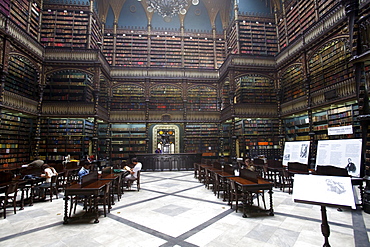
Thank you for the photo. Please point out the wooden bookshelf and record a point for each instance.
(128, 97)
(258, 136)
(69, 85)
(173, 49)
(326, 6)
(344, 114)
(202, 98)
(19, 13)
(292, 83)
(60, 137)
(166, 97)
(63, 26)
(330, 65)
(225, 134)
(104, 92)
(5, 7)
(202, 138)
(127, 139)
(253, 88)
(257, 36)
(22, 78)
(104, 140)
(108, 48)
(165, 51)
(297, 128)
(17, 132)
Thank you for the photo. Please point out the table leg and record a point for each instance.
(271, 206)
(22, 200)
(96, 208)
(66, 198)
(245, 202)
(325, 226)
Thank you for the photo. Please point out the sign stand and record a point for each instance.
(324, 191)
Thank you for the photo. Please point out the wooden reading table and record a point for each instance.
(89, 188)
(250, 186)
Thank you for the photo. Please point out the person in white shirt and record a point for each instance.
(48, 173)
(133, 172)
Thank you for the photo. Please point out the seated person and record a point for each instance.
(248, 164)
(48, 173)
(158, 151)
(133, 171)
(84, 169)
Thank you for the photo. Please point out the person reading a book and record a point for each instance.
(48, 173)
(133, 171)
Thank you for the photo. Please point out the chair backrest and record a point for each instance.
(249, 175)
(296, 166)
(5, 177)
(217, 165)
(258, 161)
(274, 164)
(89, 178)
(108, 169)
(12, 188)
(229, 169)
(331, 171)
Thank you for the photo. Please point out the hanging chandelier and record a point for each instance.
(169, 8)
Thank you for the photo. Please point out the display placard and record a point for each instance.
(296, 152)
(328, 190)
(340, 153)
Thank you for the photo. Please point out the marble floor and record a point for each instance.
(174, 209)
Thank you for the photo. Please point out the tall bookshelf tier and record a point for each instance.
(67, 26)
(330, 65)
(166, 97)
(257, 36)
(16, 135)
(127, 139)
(202, 138)
(202, 98)
(24, 13)
(297, 128)
(69, 85)
(258, 136)
(22, 78)
(128, 97)
(225, 134)
(141, 48)
(254, 88)
(292, 83)
(60, 137)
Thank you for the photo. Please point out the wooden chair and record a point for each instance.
(104, 199)
(53, 189)
(286, 181)
(130, 182)
(209, 179)
(10, 197)
(235, 194)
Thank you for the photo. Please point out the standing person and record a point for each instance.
(133, 171)
(48, 173)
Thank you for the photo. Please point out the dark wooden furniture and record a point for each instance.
(160, 162)
(247, 187)
(90, 189)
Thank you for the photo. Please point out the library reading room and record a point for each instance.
(208, 123)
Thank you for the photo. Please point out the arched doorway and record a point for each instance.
(166, 137)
